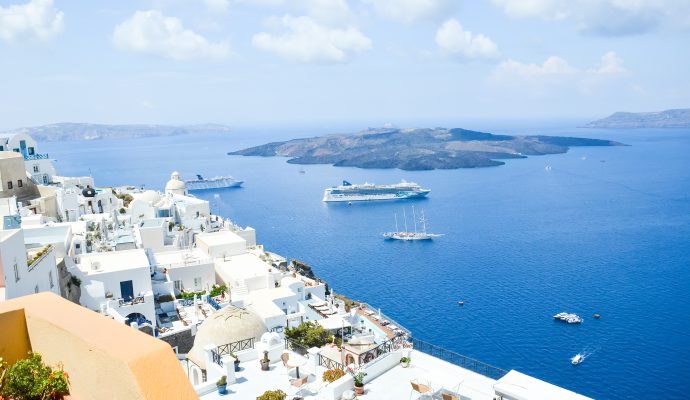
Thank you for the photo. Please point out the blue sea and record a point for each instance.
(606, 230)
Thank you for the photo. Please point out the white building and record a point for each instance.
(117, 283)
(189, 270)
(25, 270)
(38, 165)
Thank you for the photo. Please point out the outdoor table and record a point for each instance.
(295, 360)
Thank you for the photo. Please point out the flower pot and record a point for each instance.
(359, 390)
(264, 365)
(237, 365)
(222, 389)
(405, 364)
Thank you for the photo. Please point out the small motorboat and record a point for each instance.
(577, 358)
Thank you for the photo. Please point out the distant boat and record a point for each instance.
(569, 318)
(407, 235)
(302, 171)
(219, 182)
(577, 358)
(348, 192)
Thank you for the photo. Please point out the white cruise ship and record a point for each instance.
(219, 182)
(370, 192)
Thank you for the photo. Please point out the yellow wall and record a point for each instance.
(14, 337)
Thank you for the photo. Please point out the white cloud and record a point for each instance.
(151, 32)
(332, 12)
(411, 11)
(557, 71)
(454, 41)
(219, 6)
(303, 40)
(603, 17)
(37, 19)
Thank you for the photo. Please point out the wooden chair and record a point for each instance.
(299, 384)
(284, 358)
(423, 389)
(449, 396)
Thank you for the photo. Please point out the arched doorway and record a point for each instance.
(138, 318)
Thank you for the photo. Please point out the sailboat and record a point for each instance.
(407, 235)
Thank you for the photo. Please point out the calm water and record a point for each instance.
(607, 234)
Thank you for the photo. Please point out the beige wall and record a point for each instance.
(14, 343)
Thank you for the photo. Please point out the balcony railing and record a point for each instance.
(230, 348)
(133, 301)
(458, 359)
(383, 348)
(296, 347)
(329, 363)
(31, 157)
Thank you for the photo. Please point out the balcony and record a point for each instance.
(33, 157)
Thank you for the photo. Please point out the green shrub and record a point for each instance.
(308, 334)
(272, 395)
(217, 289)
(31, 379)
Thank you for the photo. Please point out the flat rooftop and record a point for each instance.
(182, 258)
(243, 266)
(46, 234)
(113, 261)
(220, 238)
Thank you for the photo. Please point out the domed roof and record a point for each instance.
(148, 196)
(175, 184)
(88, 192)
(227, 325)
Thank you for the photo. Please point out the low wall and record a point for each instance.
(335, 390)
(382, 364)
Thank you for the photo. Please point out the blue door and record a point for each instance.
(22, 147)
(127, 290)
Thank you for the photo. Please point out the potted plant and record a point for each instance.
(358, 376)
(237, 362)
(222, 385)
(264, 361)
(405, 361)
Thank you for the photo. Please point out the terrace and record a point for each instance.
(386, 379)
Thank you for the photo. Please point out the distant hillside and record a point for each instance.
(82, 131)
(417, 149)
(679, 118)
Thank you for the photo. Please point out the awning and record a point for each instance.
(518, 386)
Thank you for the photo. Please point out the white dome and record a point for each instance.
(229, 324)
(175, 185)
(148, 196)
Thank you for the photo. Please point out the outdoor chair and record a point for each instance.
(449, 396)
(284, 358)
(423, 390)
(299, 384)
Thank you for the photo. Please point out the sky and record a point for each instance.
(369, 62)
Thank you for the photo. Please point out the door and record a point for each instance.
(127, 290)
(22, 147)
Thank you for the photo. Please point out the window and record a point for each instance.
(36, 289)
(16, 272)
(19, 183)
(9, 185)
(197, 283)
(16, 150)
(31, 151)
(36, 169)
(45, 179)
(50, 279)
(2, 148)
(179, 286)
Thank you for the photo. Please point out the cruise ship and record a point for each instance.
(370, 192)
(219, 182)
